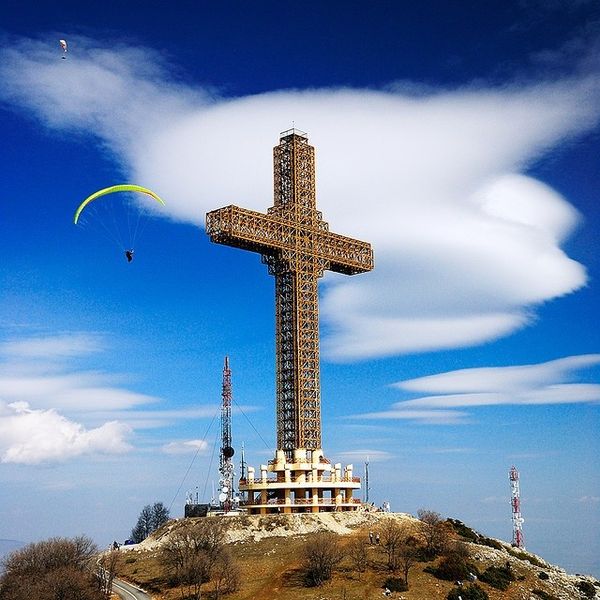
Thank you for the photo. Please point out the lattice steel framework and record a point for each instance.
(297, 247)
(226, 454)
(518, 539)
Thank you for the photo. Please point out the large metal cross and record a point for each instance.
(297, 246)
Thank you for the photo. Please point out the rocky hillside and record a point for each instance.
(268, 554)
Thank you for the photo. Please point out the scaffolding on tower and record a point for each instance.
(515, 501)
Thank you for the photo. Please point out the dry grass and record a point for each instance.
(271, 570)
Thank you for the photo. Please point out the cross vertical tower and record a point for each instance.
(297, 246)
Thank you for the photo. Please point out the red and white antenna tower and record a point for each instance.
(227, 497)
(515, 501)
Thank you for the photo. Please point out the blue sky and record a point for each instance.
(460, 140)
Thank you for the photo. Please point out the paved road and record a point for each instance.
(128, 592)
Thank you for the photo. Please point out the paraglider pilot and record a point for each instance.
(129, 255)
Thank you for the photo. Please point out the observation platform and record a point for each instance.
(310, 483)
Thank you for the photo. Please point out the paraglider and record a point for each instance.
(63, 45)
(109, 224)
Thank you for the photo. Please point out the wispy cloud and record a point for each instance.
(45, 394)
(523, 384)
(427, 417)
(589, 500)
(504, 379)
(361, 456)
(42, 371)
(537, 384)
(51, 347)
(185, 447)
(466, 245)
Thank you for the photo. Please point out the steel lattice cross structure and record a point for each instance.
(298, 247)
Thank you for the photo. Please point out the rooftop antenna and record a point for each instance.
(515, 501)
(367, 488)
(243, 464)
(243, 471)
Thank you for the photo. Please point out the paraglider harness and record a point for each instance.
(129, 255)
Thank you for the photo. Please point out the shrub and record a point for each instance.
(586, 588)
(525, 556)
(498, 577)
(461, 529)
(450, 568)
(544, 595)
(486, 541)
(543, 575)
(454, 565)
(395, 584)
(470, 592)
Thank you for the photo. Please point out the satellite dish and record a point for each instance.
(228, 452)
(222, 497)
(224, 489)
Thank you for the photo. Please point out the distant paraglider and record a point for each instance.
(63, 45)
(118, 222)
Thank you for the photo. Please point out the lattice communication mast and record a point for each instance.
(515, 501)
(227, 498)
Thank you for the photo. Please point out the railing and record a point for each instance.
(301, 502)
(322, 461)
(308, 480)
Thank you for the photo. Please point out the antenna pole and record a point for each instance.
(367, 481)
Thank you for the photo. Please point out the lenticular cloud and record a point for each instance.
(466, 245)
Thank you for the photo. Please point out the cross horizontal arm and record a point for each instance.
(268, 234)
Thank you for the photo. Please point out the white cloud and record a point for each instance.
(544, 383)
(40, 381)
(505, 379)
(427, 417)
(41, 371)
(589, 500)
(465, 245)
(360, 456)
(29, 436)
(49, 347)
(185, 447)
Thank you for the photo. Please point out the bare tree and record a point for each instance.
(407, 555)
(150, 519)
(106, 571)
(357, 551)
(160, 515)
(435, 532)
(391, 535)
(191, 555)
(320, 556)
(54, 568)
(143, 527)
(226, 574)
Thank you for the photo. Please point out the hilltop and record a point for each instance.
(268, 551)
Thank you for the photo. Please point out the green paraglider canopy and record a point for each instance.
(125, 187)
